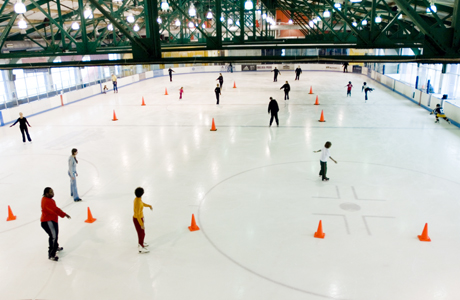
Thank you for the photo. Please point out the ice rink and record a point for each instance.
(254, 190)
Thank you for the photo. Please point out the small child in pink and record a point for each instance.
(180, 92)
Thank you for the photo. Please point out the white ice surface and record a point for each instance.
(254, 190)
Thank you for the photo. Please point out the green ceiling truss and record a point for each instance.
(431, 36)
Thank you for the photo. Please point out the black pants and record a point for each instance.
(286, 95)
(221, 84)
(297, 76)
(52, 229)
(274, 115)
(323, 169)
(365, 95)
(348, 93)
(26, 131)
(115, 87)
(170, 77)
(217, 97)
(345, 69)
(275, 78)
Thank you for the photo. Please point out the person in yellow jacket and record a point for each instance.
(138, 219)
(115, 83)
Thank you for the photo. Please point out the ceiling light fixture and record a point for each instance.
(19, 7)
(22, 23)
(326, 13)
(164, 5)
(130, 18)
(192, 11)
(136, 27)
(75, 26)
(248, 5)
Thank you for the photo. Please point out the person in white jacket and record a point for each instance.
(73, 175)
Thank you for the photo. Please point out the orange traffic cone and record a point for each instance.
(321, 119)
(320, 234)
(143, 102)
(114, 116)
(213, 127)
(234, 84)
(193, 227)
(11, 217)
(424, 237)
(90, 217)
(166, 92)
(311, 90)
(317, 102)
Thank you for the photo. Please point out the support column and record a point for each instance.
(219, 23)
(456, 25)
(441, 78)
(417, 77)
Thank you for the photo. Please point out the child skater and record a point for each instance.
(325, 154)
(439, 111)
(138, 219)
(366, 89)
(349, 86)
(105, 89)
(181, 91)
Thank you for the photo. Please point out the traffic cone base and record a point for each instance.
(321, 119)
(311, 90)
(319, 234)
(90, 217)
(317, 102)
(193, 226)
(213, 127)
(114, 116)
(143, 102)
(424, 237)
(166, 92)
(11, 217)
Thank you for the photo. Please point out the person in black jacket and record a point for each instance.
(286, 88)
(218, 93)
(221, 80)
(276, 74)
(170, 71)
(298, 71)
(273, 109)
(22, 125)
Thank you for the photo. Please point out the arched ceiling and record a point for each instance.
(433, 33)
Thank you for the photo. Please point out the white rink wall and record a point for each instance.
(427, 101)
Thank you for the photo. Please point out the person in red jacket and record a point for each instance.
(49, 219)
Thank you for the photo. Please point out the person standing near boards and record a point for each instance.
(345, 67)
(221, 80)
(49, 222)
(439, 113)
(73, 175)
(298, 71)
(286, 88)
(138, 220)
(325, 154)
(218, 93)
(275, 78)
(23, 123)
(115, 83)
(273, 108)
(170, 71)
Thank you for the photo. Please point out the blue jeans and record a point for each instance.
(73, 187)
